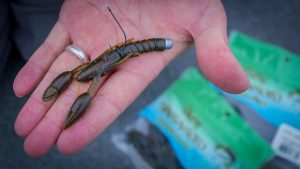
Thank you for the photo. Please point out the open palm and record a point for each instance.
(90, 26)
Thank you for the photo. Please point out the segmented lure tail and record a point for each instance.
(148, 45)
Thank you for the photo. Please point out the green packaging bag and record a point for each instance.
(203, 129)
(274, 75)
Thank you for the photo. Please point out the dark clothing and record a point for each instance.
(25, 23)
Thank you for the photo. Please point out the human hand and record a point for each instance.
(90, 26)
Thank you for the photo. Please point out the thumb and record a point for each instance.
(215, 59)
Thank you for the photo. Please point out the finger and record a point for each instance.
(113, 97)
(215, 59)
(34, 109)
(37, 66)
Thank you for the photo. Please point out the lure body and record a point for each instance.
(94, 70)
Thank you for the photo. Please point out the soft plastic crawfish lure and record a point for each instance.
(93, 71)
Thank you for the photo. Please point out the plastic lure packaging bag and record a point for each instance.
(274, 75)
(203, 129)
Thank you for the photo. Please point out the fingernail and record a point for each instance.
(18, 96)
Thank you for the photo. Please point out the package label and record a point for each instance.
(286, 143)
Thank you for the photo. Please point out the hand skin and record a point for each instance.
(89, 25)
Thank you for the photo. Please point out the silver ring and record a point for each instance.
(78, 52)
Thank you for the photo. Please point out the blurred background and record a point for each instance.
(276, 22)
